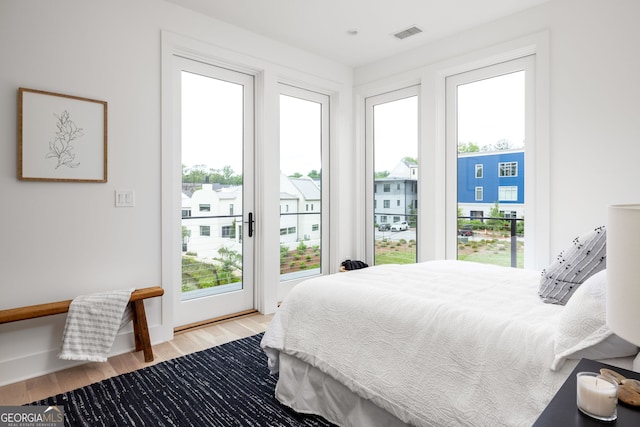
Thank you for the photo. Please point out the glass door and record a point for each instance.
(217, 222)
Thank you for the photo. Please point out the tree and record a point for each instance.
(194, 174)
(296, 175)
(413, 217)
(503, 144)
(495, 224)
(410, 160)
(468, 147)
(382, 174)
(230, 261)
(201, 174)
(314, 174)
(186, 233)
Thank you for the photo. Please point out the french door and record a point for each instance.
(216, 217)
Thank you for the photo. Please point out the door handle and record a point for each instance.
(250, 222)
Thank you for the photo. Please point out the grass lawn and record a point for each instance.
(489, 251)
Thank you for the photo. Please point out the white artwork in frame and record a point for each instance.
(61, 137)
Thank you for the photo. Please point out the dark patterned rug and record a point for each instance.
(227, 385)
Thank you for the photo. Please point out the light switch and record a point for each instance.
(125, 198)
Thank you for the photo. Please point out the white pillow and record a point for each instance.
(583, 332)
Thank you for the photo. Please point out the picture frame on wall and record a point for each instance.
(61, 137)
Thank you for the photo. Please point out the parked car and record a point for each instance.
(384, 227)
(466, 230)
(400, 226)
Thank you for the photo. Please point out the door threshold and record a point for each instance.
(221, 319)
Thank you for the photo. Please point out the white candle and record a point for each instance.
(597, 396)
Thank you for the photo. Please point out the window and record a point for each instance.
(304, 149)
(231, 209)
(226, 231)
(186, 213)
(205, 208)
(476, 214)
(507, 169)
(391, 137)
(508, 193)
(205, 230)
(491, 121)
(383, 219)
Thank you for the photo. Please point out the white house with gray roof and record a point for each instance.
(396, 195)
(212, 216)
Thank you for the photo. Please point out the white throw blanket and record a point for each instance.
(436, 343)
(92, 324)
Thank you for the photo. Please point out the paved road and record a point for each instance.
(407, 235)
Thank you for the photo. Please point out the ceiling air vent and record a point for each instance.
(412, 31)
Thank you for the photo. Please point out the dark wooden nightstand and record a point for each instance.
(562, 411)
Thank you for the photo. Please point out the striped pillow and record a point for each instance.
(584, 258)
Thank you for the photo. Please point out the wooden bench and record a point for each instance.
(140, 328)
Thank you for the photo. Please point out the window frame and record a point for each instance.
(370, 101)
(507, 169)
(536, 203)
(325, 100)
(512, 190)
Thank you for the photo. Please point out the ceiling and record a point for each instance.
(326, 27)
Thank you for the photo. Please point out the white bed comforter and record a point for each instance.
(440, 343)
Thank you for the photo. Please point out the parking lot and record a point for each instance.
(407, 235)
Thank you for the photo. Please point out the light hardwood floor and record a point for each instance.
(183, 343)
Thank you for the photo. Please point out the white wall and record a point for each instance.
(60, 240)
(593, 113)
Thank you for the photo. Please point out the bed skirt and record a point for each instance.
(308, 390)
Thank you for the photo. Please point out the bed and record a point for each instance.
(439, 343)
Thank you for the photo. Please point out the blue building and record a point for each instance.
(487, 178)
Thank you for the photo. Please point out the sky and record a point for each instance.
(211, 122)
(488, 111)
(492, 109)
(300, 135)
